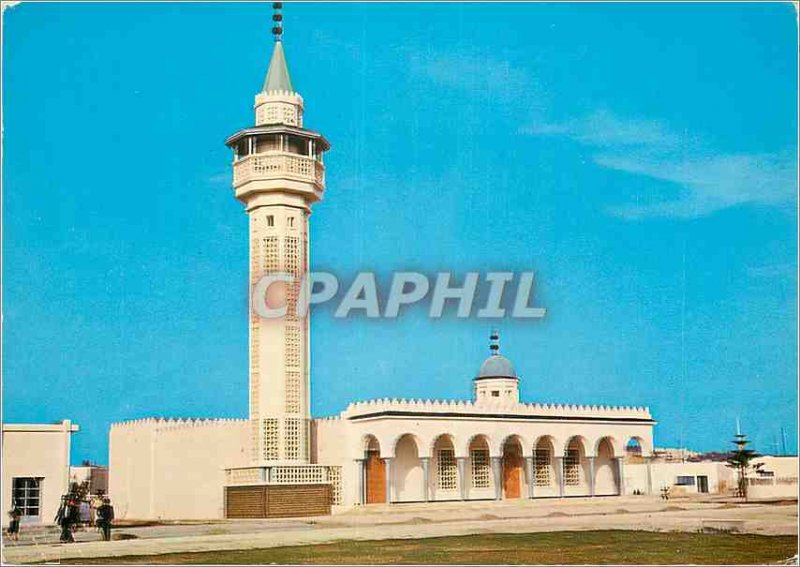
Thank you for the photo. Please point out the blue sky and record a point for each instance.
(640, 158)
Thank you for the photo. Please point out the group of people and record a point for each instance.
(75, 512)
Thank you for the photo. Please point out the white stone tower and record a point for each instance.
(278, 174)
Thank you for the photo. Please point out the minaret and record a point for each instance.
(278, 174)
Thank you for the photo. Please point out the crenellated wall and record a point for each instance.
(174, 468)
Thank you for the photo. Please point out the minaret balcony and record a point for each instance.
(273, 165)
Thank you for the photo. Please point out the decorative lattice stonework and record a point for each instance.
(541, 467)
(481, 471)
(293, 437)
(244, 476)
(335, 478)
(292, 391)
(271, 256)
(446, 470)
(572, 467)
(292, 345)
(270, 437)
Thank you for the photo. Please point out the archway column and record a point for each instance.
(560, 472)
(529, 473)
(388, 470)
(497, 472)
(361, 475)
(425, 478)
(462, 476)
(621, 473)
(591, 475)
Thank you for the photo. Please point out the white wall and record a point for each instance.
(174, 469)
(37, 450)
(720, 477)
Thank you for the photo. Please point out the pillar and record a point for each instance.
(649, 460)
(529, 473)
(462, 476)
(361, 473)
(498, 481)
(425, 478)
(388, 468)
(621, 473)
(591, 475)
(560, 472)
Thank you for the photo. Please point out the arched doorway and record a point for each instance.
(605, 474)
(512, 468)
(375, 472)
(408, 480)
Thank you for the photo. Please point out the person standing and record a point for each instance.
(105, 517)
(64, 518)
(15, 515)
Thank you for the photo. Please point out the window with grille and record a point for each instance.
(26, 493)
(270, 221)
(292, 346)
(446, 469)
(271, 254)
(572, 465)
(292, 437)
(270, 436)
(541, 467)
(481, 470)
(292, 391)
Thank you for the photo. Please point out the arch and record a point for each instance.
(612, 441)
(374, 471)
(407, 476)
(576, 467)
(606, 473)
(545, 474)
(369, 443)
(444, 467)
(442, 437)
(477, 436)
(513, 467)
(515, 437)
(480, 467)
(576, 442)
(634, 450)
(402, 436)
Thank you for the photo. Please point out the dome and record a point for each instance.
(497, 366)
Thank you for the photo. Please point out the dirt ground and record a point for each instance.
(416, 521)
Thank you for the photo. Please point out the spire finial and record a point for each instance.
(494, 341)
(277, 18)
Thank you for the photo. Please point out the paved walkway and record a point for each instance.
(425, 520)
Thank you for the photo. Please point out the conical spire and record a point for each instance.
(278, 74)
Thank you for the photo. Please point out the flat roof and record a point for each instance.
(65, 425)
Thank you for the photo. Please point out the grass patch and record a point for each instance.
(598, 547)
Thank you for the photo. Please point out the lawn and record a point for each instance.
(628, 547)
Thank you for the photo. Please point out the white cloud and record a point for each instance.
(709, 180)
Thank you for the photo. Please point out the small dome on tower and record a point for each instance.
(497, 366)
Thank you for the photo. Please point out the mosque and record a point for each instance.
(281, 462)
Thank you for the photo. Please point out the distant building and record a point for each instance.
(36, 468)
(96, 477)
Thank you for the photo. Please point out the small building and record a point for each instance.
(773, 477)
(95, 477)
(682, 478)
(36, 468)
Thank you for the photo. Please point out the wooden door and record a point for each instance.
(512, 475)
(376, 479)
